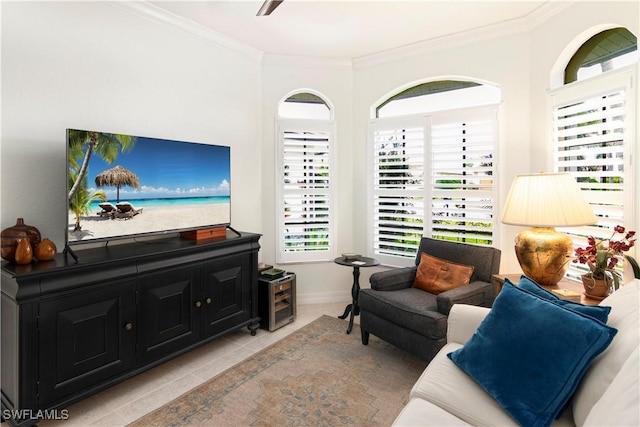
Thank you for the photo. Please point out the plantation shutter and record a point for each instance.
(461, 184)
(432, 176)
(398, 187)
(305, 183)
(591, 122)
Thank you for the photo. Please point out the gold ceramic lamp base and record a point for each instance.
(544, 254)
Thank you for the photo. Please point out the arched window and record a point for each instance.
(438, 96)
(305, 184)
(608, 50)
(432, 151)
(304, 106)
(592, 123)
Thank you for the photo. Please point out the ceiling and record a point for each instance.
(349, 28)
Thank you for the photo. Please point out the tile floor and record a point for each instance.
(128, 401)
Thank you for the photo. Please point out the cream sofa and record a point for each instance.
(607, 395)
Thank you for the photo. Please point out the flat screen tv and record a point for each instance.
(124, 186)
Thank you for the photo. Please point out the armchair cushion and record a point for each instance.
(508, 351)
(436, 275)
(412, 308)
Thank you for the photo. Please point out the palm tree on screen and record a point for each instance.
(81, 201)
(83, 144)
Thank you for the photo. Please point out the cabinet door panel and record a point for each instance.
(227, 291)
(166, 306)
(84, 339)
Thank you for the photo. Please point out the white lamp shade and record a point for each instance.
(547, 200)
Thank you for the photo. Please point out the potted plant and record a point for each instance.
(602, 257)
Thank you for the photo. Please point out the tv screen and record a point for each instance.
(122, 186)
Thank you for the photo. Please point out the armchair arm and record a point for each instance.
(393, 280)
(475, 293)
(463, 321)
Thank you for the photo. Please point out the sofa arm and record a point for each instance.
(475, 293)
(393, 280)
(463, 321)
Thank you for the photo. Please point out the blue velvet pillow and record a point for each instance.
(600, 312)
(530, 354)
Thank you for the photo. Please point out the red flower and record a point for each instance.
(603, 256)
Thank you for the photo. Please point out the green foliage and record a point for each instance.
(82, 144)
(81, 201)
(634, 266)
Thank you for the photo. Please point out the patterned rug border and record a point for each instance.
(200, 400)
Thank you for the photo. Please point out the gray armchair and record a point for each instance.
(415, 320)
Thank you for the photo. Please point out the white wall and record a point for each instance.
(90, 65)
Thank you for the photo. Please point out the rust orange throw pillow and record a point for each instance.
(437, 275)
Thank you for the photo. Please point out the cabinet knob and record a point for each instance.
(128, 326)
(209, 300)
(198, 304)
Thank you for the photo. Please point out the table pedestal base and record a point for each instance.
(353, 309)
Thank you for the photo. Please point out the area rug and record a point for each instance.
(316, 376)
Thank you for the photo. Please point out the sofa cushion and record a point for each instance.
(508, 351)
(618, 406)
(626, 318)
(464, 321)
(436, 275)
(596, 311)
(450, 388)
(410, 308)
(418, 412)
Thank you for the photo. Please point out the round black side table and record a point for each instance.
(352, 309)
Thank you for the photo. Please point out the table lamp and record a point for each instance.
(544, 201)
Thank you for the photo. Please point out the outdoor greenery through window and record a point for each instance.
(592, 119)
(433, 171)
(305, 190)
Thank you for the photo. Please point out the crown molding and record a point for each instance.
(502, 29)
(163, 17)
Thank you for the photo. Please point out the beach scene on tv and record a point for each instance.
(121, 186)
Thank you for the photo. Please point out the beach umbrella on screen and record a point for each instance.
(117, 177)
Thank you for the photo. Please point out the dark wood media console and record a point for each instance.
(71, 329)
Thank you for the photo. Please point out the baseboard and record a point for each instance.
(323, 297)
